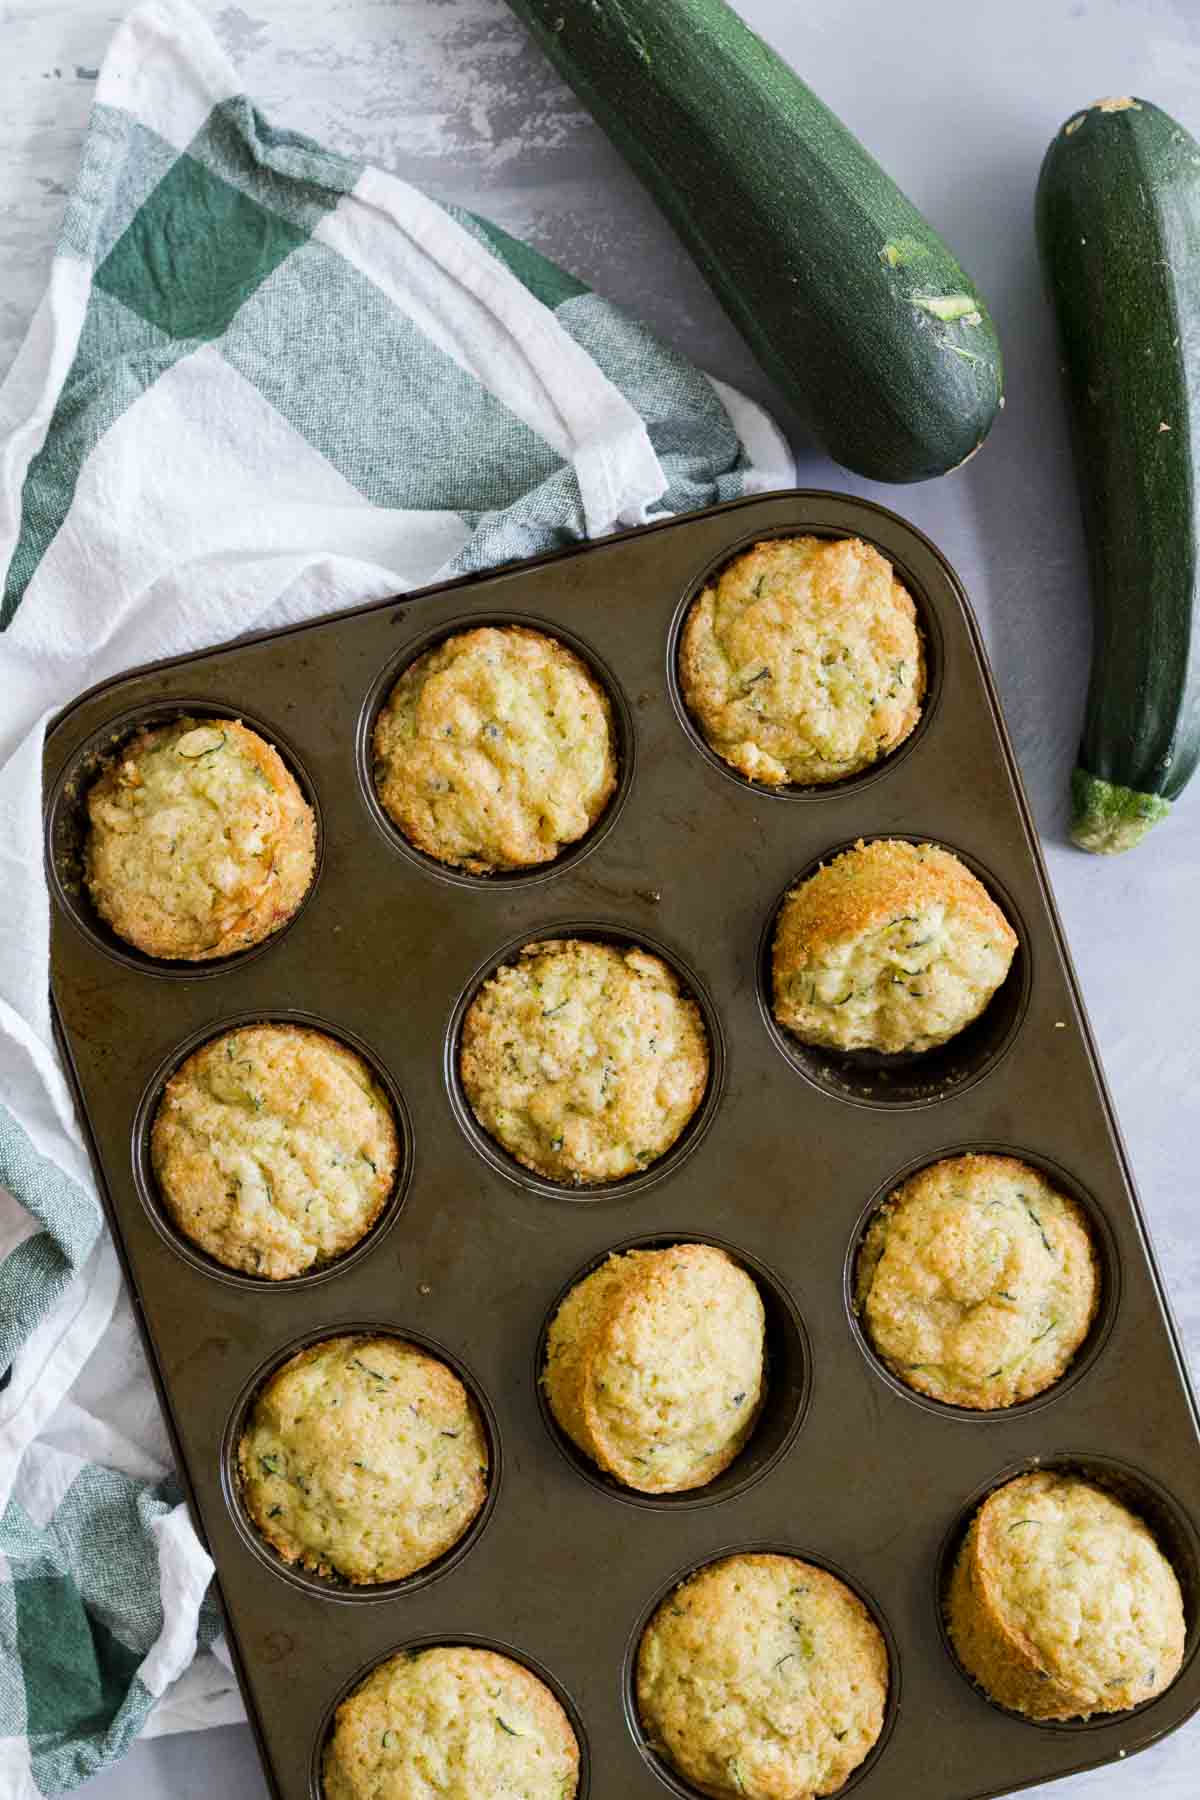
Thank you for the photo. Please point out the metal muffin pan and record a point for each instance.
(780, 1166)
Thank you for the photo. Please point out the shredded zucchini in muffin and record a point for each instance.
(764, 1677)
(1062, 1604)
(200, 842)
(891, 947)
(802, 661)
(363, 1458)
(654, 1365)
(495, 749)
(453, 1722)
(583, 1060)
(978, 1281)
(274, 1148)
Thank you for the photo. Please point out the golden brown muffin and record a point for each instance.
(892, 947)
(453, 1722)
(654, 1365)
(1061, 1604)
(583, 1060)
(274, 1149)
(495, 749)
(762, 1677)
(200, 843)
(978, 1281)
(363, 1458)
(802, 661)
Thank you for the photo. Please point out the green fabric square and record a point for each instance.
(76, 1672)
(194, 251)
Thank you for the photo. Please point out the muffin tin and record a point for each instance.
(846, 1468)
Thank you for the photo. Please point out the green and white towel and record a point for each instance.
(266, 382)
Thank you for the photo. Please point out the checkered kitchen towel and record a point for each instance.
(266, 381)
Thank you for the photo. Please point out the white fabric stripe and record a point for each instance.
(30, 389)
(148, 74)
(184, 1572)
(16, 1773)
(42, 1480)
(774, 466)
(52, 1357)
(475, 310)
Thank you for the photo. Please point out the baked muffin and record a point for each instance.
(274, 1149)
(891, 946)
(762, 1677)
(978, 1281)
(654, 1365)
(363, 1458)
(200, 843)
(583, 1060)
(495, 749)
(1061, 1604)
(452, 1721)
(802, 661)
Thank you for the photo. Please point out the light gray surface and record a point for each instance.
(959, 103)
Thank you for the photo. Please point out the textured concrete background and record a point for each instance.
(959, 104)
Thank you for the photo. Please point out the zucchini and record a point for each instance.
(1118, 223)
(849, 299)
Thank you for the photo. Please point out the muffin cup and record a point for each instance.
(498, 879)
(823, 790)
(494, 1153)
(1142, 1495)
(329, 1587)
(146, 1182)
(675, 1782)
(916, 1077)
(67, 831)
(1088, 1351)
(787, 1375)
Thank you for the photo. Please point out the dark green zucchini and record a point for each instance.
(848, 298)
(1118, 221)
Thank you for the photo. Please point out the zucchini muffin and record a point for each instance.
(762, 1677)
(890, 947)
(654, 1365)
(274, 1149)
(978, 1281)
(802, 662)
(200, 843)
(363, 1459)
(583, 1060)
(1061, 1604)
(495, 749)
(451, 1723)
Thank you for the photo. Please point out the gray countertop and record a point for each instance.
(959, 105)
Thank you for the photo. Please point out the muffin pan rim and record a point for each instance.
(624, 751)
(848, 785)
(1093, 1345)
(118, 731)
(146, 1185)
(793, 1048)
(688, 1499)
(329, 1587)
(1091, 1466)
(493, 1152)
(659, 1766)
